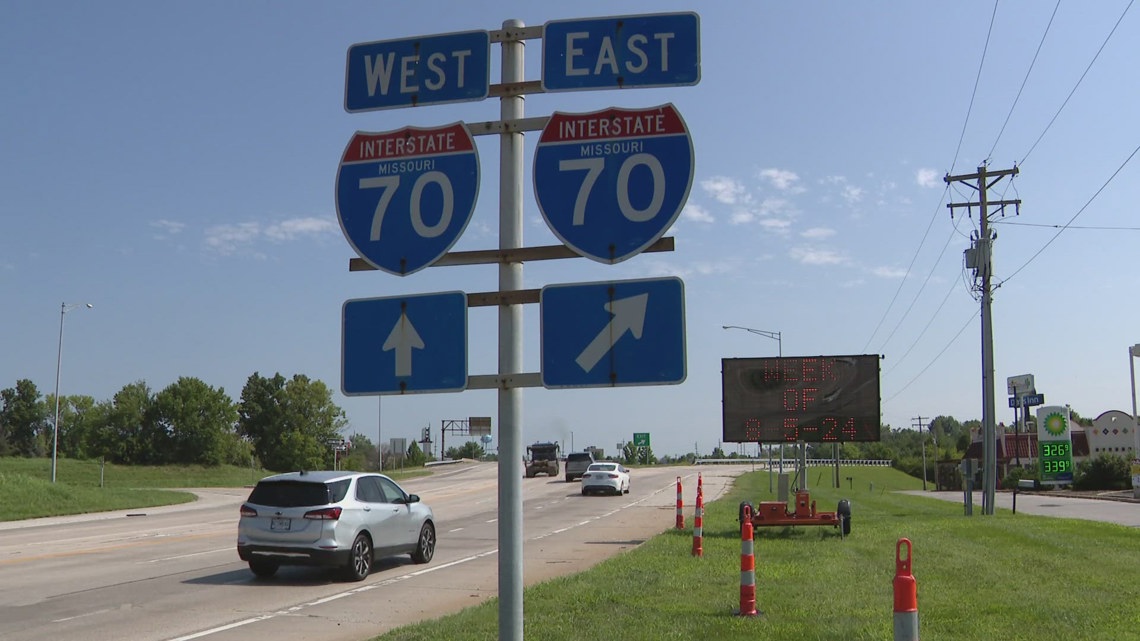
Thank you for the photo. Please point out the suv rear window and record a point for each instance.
(298, 493)
(580, 456)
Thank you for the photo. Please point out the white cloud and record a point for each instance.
(852, 194)
(893, 273)
(726, 190)
(167, 227)
(230, 238)
(298, 227)
(927, 178)
(816, 233)
(741, 216)
(226, 239)
(774, 206)
(696, 213)
(782, 179)
(816, 256)
(776, 225)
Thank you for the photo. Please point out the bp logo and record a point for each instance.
(1055, 424)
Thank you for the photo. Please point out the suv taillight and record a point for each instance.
(248, 511)
(326, 514)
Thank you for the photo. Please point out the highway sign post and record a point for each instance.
(404, 197)
(410, 72)
(610, 183)
(612, 334)
(621, 52)
(404, 344)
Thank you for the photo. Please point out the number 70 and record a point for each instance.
(594, 167)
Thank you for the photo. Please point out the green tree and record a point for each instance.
(193, 423)
(76, 415)
(24, 420)
(121, 431)
(416, 456)
(470, 449)
(289, 421)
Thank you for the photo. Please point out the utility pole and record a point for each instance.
(917, 423)
(978, 258)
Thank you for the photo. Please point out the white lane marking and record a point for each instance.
(186, 556)
(491, 521)
(393, 580)
(80, 616)
(334, 597)
(458, 529)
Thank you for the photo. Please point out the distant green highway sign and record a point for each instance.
(641, 439)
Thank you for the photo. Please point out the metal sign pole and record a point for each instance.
(510, 346)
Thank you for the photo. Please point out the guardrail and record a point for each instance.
(791, 462)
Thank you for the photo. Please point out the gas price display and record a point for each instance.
(1056, 460)
(816, 399)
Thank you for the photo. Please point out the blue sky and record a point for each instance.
(174, 165)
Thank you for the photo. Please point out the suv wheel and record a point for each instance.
(425, 547)
(263, 569)
(359, 558)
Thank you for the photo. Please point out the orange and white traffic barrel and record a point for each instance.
(698, 524)
(906, 595)
(680, 507)
(747, 568)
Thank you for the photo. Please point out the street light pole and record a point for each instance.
(63, 309)
(773, 335)
(780, 351)
(1133, 353)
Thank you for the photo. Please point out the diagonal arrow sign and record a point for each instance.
(628, 316)
(403, 338)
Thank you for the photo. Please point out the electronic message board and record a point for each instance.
(816, 399)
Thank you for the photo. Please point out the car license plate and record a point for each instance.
(282, 525)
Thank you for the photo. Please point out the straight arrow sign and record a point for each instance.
(403, 338)
(629, 316)
(383, 338)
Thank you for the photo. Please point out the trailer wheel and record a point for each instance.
(740, 514)
(844, 513)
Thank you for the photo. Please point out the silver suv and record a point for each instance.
(576, 464)
(332, 518)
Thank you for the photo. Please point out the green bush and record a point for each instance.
(1105, 472)
(1018, 473)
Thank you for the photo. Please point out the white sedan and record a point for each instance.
(606, 477)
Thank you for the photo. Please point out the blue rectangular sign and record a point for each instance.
(619, 52)
(404, 344)
(612, 334)
(1027, 400)
(390, 74)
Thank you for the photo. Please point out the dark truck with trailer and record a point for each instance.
(542, 458)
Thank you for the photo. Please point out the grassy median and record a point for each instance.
(1008, 577)
(26, 490)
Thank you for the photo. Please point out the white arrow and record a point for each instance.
(628, 316)
(403, 338)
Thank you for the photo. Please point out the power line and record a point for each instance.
(936, 356)
(1079, 80)
(977, 81)
(914, 258)
(1024, 80)
(1079, 212)
(1086, 227)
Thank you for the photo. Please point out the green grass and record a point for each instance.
(1009, 577)
(26, 490)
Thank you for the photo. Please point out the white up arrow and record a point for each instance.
(628, 316)
(403, 338)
